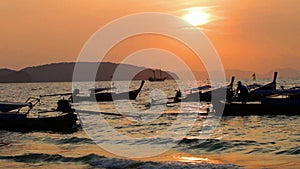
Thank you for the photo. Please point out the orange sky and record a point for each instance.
(255, 35)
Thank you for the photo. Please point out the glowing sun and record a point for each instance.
(196, 17)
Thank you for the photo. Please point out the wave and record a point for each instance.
(40, 157)
(58, 141)
(75, 140)
(96, 161)
(216, 145)
(292, 151)
(3, 144)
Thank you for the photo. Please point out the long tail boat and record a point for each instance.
(268, 106)
(100, 96)
(207, 95)
(263, 91)
(13, 119)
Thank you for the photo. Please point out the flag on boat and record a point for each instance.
(253, 76)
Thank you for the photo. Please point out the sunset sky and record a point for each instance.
(255, 35)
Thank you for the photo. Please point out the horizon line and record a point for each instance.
(70, 62)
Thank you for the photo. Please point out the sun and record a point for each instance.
(196, 17)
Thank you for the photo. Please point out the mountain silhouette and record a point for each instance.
(63, 72)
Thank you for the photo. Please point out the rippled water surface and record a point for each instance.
(250, 142)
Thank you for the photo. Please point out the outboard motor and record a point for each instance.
(64, 106)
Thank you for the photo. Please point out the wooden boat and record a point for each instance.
(11, 119)
(100, 96)
(157, 79)
(283, 92)
(269, 91)
(257, 93)
(262, 92)
(206, 96)
(23, 123)
(268, 106)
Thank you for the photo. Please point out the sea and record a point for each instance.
(150, 134)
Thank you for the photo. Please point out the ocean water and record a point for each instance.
(152, 139)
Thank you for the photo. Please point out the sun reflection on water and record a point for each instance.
(197, 160)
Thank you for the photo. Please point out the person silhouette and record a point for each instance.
(242, 92)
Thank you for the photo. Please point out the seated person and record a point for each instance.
(242, 92)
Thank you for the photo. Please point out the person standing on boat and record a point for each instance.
(242, 92)
(177, 96)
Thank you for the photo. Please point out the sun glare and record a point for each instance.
(196, 17)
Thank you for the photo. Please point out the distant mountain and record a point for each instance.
(4, 72)
(239, 73)
(11, 76)
(286, 72)
(63, 72)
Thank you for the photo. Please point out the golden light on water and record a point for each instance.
(197, 160)
(196, 16)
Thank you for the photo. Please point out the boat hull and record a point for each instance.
(288, 107)
(157, 79)
(132, 95)
(8, 106)
(207, 96)
(20, 123)
(108, 97)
